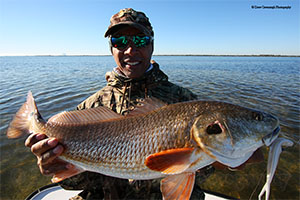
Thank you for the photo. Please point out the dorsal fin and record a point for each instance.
(85, 116)
(146, 105)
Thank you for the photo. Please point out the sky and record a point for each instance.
(203, 27)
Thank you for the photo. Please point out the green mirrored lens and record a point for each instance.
(122, 42)
(119, 42)
(141, 41)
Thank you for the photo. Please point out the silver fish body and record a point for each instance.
(172, 141)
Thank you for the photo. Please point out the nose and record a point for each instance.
(131, 49)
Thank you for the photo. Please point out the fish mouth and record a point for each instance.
(268, 139)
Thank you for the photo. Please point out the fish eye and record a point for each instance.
(257, 116)
(213, 129)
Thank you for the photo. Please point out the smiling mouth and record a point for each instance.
(132, 63)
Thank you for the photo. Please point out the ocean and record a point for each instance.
(58, 83)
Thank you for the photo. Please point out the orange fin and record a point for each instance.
(178, 186)
(173, 161)
(85, 116)
(72, 171)
(146, 105)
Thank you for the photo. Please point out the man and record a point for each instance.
(135, 76)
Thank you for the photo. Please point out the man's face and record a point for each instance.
(132, 61)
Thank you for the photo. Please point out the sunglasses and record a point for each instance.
(123, 41)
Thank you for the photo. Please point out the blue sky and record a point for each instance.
(73, 27)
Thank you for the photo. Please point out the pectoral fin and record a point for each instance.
(72, 171)
(173, 161)
(178, 186)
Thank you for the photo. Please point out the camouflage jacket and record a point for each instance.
(120, 94)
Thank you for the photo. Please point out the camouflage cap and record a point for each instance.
(129, 17)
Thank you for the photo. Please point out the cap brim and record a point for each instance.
(118, 26)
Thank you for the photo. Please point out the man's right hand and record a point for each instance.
(47, 151)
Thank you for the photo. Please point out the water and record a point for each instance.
(271, 84)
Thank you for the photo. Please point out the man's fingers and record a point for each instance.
(44, 145)
(47, 151)
(34, 138)
(53, 168)
(50, 155)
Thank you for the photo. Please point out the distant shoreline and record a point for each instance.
(204, 55)
(262, 55)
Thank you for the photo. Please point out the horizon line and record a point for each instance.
(220, 55)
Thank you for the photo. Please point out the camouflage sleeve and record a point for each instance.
(91, 102)
(186, 94)
(100, 98)
(172, 93)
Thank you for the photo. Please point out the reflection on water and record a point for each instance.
(60, 83)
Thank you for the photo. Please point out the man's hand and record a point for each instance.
(47, 151)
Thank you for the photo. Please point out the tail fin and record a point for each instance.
(21, 123)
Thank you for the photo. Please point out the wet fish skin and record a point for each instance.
(234, 133)
(117, 146)
(128, 147)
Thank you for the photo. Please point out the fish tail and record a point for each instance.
(22, 121)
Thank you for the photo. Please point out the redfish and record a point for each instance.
(153, 141)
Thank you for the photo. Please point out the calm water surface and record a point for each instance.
(271, 84)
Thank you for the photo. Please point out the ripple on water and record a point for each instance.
(61, 83)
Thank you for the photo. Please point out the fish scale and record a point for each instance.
(152, 141)
(125, 131)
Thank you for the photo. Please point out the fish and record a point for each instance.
(153, 141)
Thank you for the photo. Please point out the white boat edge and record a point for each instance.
(54, 191)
